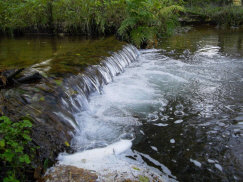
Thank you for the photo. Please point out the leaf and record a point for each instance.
(42, 98)
(24, 159)
(26, 123)
(67, 144)
(10, 178)
(8, 155)
(5, 119)
(13, 144)
(46, 164)
(27, 137)
(2, 143)
(19, 149)
(135, 168)
(58, 82)
(27, 159)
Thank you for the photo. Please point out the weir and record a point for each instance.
(79, 87)
(161, 100)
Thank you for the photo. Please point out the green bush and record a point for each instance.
(138, 21)
(227, 15)
(88, 16)
(16, 152)
(201, 3)
(147, 20)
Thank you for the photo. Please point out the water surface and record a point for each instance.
(177, 108)
(181, 106)
(64, 54)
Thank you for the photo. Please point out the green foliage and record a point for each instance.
(138, 21)
(14, 145)
(200, 3)
(227, 15)
(17, 14)
(90, 16)
(146, 20)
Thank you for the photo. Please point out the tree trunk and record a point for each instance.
(50, 16)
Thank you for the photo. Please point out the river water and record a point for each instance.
(176, 110)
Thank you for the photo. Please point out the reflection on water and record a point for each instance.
(67, 54)
(229, 41)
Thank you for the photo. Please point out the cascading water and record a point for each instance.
(161, 110)
(105, 127)
(79, 88)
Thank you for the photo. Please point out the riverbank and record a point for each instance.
(141, 23)
(222, 16)
(41, 101)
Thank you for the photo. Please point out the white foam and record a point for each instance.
(211, 161)
(154, 148)
(196, 163)
(111, 115)
(111, 162)
(161, 124)
(172, 140)
(163, 167)
(219, 167)
(89, 157)
(178, 121)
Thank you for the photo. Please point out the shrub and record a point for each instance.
(15, 149)
(227, 15)
(138, 21)
(147, 20)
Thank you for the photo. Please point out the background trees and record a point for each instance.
(137, 21)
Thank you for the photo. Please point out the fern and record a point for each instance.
(142, 34)
(173, 9)
(128, 23)
(147, 19)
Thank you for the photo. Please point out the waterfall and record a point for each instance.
(78, 88)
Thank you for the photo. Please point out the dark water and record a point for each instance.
(181, 103)
(67, 54)
(210, 105)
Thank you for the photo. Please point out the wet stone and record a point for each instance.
(69, 173)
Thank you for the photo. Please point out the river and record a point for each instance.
(176, 109)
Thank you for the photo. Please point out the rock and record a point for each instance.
(51, 130)
(9, 78)
(64, 173)
(29, 79)
(69, 173)
(37, 173)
